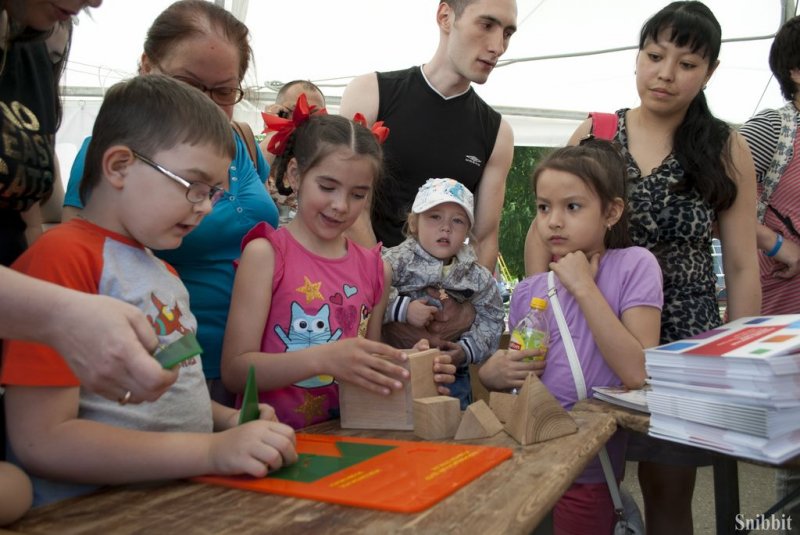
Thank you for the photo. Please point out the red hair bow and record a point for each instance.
(378, 130)
(283, 128)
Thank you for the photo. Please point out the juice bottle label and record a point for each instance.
(530, 339)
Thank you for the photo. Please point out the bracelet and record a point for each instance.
(777, 246)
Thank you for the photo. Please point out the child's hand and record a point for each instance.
(444, 373)
(507, 369)
(575, 271)
(367, 364)
(420, 313)
(454, 350)
(422, 345)
(267, 413)
(253, 448)
(228, 418)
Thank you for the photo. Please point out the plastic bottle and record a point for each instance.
(532, 331)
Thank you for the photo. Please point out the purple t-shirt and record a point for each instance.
(627, 278)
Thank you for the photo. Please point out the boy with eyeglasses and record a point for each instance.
(204, 45)
(159, 153)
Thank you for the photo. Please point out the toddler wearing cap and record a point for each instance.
(436, 277)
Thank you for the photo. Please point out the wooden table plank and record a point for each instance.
(511, 498)
(625, 417)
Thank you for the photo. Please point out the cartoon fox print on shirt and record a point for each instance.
(168, 319)
(307, 330)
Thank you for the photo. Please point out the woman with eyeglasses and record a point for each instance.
(205, 46)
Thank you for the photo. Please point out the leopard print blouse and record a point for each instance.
(677, 229)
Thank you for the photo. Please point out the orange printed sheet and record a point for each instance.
(392, 475)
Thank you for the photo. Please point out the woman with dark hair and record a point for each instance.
(204, 45)
(688, 173)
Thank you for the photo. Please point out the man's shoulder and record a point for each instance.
(482, 104)
(398, 74)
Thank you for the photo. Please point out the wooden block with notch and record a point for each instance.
(363, 409)
(537, 416)
(478, 422)
(437, 417)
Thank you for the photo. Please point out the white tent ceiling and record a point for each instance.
(330, 42)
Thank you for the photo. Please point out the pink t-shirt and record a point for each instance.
(315, 300)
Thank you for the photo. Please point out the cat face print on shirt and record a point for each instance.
(307, 329)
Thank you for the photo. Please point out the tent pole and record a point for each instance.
(788, 10)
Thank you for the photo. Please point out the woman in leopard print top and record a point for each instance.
(689, 173)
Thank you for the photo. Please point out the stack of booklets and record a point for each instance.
(734, 389)
(619, 395)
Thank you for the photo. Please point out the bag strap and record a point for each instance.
(783, 154)
(246, 133)
(566, 337)
(580, 386)
(604, 125)
(611, 480)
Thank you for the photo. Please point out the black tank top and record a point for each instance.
(429, 137)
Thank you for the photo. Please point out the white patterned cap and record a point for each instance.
(438, 191)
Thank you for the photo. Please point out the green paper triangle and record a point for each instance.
(249, 409)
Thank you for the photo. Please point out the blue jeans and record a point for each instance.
(462, 388)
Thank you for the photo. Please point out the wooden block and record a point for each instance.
(437, 417)
(478, 422)
(362, 409)
(537, 416)
(502, 404)
(478, 390)
(420, 365)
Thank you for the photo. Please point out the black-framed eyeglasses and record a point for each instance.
(196, 192)
(224, 96)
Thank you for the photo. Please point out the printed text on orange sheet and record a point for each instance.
(354, 478)
(449, 464)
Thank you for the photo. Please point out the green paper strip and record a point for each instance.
(181, 349)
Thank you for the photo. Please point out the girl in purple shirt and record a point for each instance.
(611, 295)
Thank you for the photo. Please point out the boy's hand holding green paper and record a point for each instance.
(176, 352)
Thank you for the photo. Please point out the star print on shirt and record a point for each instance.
(311, 290)
(311, 407)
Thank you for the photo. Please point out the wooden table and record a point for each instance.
(726, 473)
(511, 498)
(625, 418)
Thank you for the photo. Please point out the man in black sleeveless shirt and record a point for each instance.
(438, 125)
